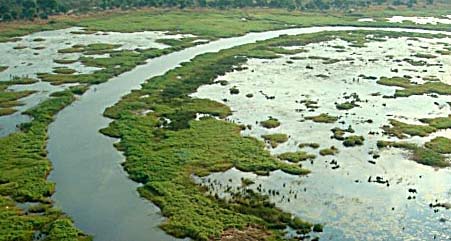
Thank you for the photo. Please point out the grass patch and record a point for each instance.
(400, 129)
(270, 123)
(415, 89)
(63, 70)
(311, 145)
(328, 151)
(296, 156)
(3, 68)
(65, 61)
(353, 140)
(439, 144)
(439, 122)
(322, 118)
(422, 155)
(275, 139)
(346, 105)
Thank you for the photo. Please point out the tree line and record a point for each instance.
(31, 9)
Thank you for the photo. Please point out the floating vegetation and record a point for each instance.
(10, 99)
(425, 56)
(234, 90)
(275, 139)
(415, 89)
(353, 140)
(419, 154)
(400, 129)
(65, 61)
(270, 123)
(328, 151)
(63, 70)
(439, 144)
(346, 105)
(311, 145)
(296, 156)
(322, 118)
(3, 68)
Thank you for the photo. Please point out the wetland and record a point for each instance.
(284, 127)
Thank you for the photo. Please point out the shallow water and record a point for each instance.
(91, 185)
(421, 20)
(29, 61)
(343, 199)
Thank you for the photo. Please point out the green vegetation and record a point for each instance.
(23, 179)
(419, 154)
(296, 156)
(270, 123)
(328, 151)
(311, 145)
(339, 134)
(65, 61)
(399, 129)
(10, 99)
(118, 62)
(353, 140)
(439, 122)
(322, 118)
(346, 105)
(90, 49)
(3, 68)
(440, 144)
(63, 70)
(415, 89)
(425, 56)
(275, 139)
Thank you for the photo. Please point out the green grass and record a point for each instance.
(400, 129)
(3, 68)
(438, 122)
(296, 156)
(345, 105)
(65, 61)
(64, 70)
(322, 118)
(275, 139)
(410, 89)
(353, 140)
(311, 145)
(422, 155)
(10, 99)
(328, 151)
(439, 144)
(270, 123)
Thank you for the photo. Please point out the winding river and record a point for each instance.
(91, 184)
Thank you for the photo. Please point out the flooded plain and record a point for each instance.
(86, 165)
(341, 192)
(39, 53)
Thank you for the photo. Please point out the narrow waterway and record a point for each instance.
(91, 184)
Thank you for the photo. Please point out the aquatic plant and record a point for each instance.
(270, 123)
(296, 156)
(322, 118)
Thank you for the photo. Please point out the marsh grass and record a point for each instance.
(322, 118)
(25, 168)
(270, 123)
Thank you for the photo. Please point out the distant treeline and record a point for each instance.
(30, 9)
